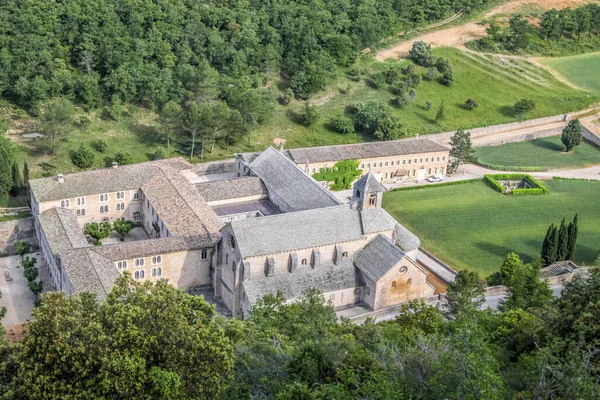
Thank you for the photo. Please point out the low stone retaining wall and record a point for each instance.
(15, 230)
(216, 167)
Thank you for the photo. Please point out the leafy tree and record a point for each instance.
(21, 248)
(101, 145)
(287, 96)
(98, 231)
(448, 78)
(80, 347)
(462, 149)
(441, 113)
(309, 114)
(83, 157)
(389, 128)
(421, 54)
(17, 186)
(116, 108)
(465, 294)
(6, 162)
(471, 104)
(170, 120)
(36, 287)
(28, 263)
(4, 125)
(572, 241)
(572, 134)
(508, 270)
(123, 226)
(30, 274)
(525, 288)
(432, 74)
(56, 122)
(563, 241)
(523, 107)
(158, 154)
(123, 158)
(193, 124)
(342, 124)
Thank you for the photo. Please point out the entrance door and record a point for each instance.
(421, 174)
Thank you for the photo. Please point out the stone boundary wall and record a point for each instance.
(15, 230)
(590, 137)
(492, 129)
(215, 167)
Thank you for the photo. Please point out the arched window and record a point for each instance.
(409, 281)
(394, 284)
(345, 254)
(304, 261)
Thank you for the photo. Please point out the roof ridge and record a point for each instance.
(87, 254)
(64, 228)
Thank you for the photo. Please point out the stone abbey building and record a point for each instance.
(264, 226)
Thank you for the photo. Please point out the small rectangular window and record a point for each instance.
(136, 196)
(136, 216)
(204, 254)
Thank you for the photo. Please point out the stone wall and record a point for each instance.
(590, 137)
(216, 167)
(19, 229)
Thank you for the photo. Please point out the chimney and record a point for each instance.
(114, 164)
(281, 141)
(60, 178)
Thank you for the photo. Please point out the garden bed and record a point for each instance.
(515, 184)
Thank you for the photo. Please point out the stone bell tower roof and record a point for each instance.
(369, 184)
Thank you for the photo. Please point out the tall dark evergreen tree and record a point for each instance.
(545, 254)
(17, 181)
(572, 243)
(572, 134)
(25, 176)
(563, 241)
(552, 250)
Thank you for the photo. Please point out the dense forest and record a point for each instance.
(559, 32)
(149, 52)
(157, 342)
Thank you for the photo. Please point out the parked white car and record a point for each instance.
(436, 178)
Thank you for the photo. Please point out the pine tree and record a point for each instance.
(545, 256)
(17, 182)
(441, 114)
(573, 232)
(563, 241)
(572, 134)
(25, 176)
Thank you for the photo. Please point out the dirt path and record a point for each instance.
(459, 35)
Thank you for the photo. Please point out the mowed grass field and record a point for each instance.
(545, 153)
(582, 70)
(471, 226)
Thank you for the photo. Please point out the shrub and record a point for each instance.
(453, 183)
(158, 154)
(377, 80)
(471, 104)
(343, 125)
(309, 114)
(101, 145)
(428, 105)
(509, 167)
(83, 157)
(421, 54)
(124, 158)
(286, 97)
(83, 121)
(342, 174)
(432, 74)
(448, 78)
(523, 106)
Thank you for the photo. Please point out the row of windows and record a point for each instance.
(408, 282)
(391, 163)
(141, 274)
(80, 201)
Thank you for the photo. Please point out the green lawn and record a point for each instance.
(544, 153)
(582, 70)
(472, 226)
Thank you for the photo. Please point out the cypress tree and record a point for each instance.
(563, 241)
(552, 246)
(573, 232)
(17, 182)
(545, 254)
(25, 175)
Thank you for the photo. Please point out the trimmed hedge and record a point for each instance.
(538, 187)
(342, 174)
(453, 183)
(510, 168)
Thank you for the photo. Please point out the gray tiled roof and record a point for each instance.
(378, 257)
(288, 182)
(144, 248)
(86, 183)
(248, 157)
(369, 184)
(89, 272)
(179, 205)
(62, 230)
(307, 229)
(327, 278)
(365, 150)
(404, 238)
(231, 189)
